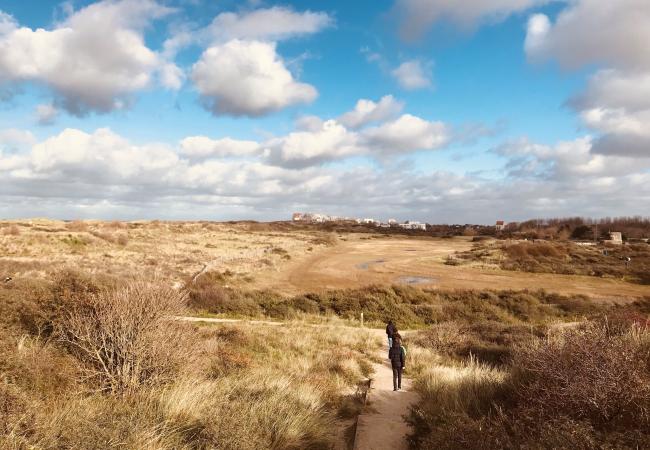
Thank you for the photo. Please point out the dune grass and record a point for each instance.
(93, 365)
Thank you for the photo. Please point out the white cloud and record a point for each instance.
(413, 74)
(13, 139)
(46, 114)
(416, 16)
(201, 147)
(617, 99)
(247, 78)
(304, 148)
(615, 33)
(274, 24)
(614, 89)
(406, 134)
(102, 174)
(102, 154)
(617, 121)
(367, 111)
(94, 60)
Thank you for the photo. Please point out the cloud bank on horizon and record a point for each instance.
(430, 110)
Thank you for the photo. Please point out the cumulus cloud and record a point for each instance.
(406, 134)
(413, 74)
(367, 111)
(247, 78)
(591, 31)
(46, 114)
(13, 139)
(319, 141)
(329, 141)
(94, 60)
(616, 101)
(274, 24)
(102, 174)
(198, 147)
(416, 16)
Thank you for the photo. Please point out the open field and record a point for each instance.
(173, 250)
(255, 256)
(422, 261)
(92, 354)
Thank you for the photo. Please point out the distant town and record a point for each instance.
(391, 223)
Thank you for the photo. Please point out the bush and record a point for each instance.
(588, 374)
(123, 337)
(77, 225)
(583, 388)
(12, 230)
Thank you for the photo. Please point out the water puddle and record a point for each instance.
(413, 280)
(366, 265)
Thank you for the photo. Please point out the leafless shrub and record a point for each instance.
(13, 230)
(122, 239)
(77, 225)
(108, 237)
(124, 337)
(116, 224)
(588, 374)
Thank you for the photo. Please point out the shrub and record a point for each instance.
(122, 239)
(588, 374)
(123, 337)
(579, 388)
(77, 225)
(12, 230)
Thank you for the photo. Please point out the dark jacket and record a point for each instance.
(390, 330)
(396, 357)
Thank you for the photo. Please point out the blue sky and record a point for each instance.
(246, 116)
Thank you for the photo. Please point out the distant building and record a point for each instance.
(408, 225)
(297, 217)
(615, 237)
(500, 225)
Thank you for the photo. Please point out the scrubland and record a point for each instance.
(91, 356)
(173, 250)
(580, 385)
(97, 363)
(607, 261)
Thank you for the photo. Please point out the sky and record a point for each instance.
(434, 110)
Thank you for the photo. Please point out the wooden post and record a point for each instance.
(361, 319)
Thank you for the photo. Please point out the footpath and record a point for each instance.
(381, 426)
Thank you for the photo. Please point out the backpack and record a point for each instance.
(402, 350)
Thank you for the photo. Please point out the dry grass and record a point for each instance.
(585, 387)
(77, 225)
(98, 366)
(174, 250)
(11, 230)
(564, 258)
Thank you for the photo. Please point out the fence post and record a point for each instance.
(361, 319)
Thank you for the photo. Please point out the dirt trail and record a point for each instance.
(382, 425)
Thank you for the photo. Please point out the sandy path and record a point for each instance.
(382, 425)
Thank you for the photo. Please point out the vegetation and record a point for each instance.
(89, 362)
(414, 307)
(580, 228)
(565, 258)
(585, 387)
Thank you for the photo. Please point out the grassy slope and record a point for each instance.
(230, 386)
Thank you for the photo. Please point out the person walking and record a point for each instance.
(390, 331)
(397, 362)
